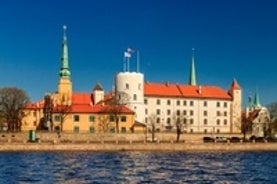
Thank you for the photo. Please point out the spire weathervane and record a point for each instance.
(64, 31)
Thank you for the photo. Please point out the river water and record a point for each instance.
(138, 167)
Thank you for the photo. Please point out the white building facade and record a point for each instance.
(201, 109)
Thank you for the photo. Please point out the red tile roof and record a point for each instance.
(81, 103)
(185, 91)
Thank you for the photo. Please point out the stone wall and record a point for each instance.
(94, 137)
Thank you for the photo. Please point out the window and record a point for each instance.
(184, 103)
(91, 129)
(178, 102)
(76, 118)
(225, 104)
(225, 113)
(91, 118)
(146, 111)
(178, 112)
(76, 129)
(168, 102)
(205, 113)
(191, 121)
(158, 120)
(57, 118)
(218, 104)
(168, 112)
(112, 118)
(205, 122)
(185, 121)
(205, 104)
(123, 130)
(145, 101)
(127, 86)
(184, 112)
(191, 130)
(218, 131)
(158, 111)
(168, 121)
(123, 118)
(218, 113)
(205, 131)
(112, 130)
(135, 97)
(139, 86)
(191, 103)
(218, 122)
(34, 113)
(146, 120)
(191, 112)
(158, 101)
(225, 122)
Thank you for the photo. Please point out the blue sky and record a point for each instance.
(232, 39)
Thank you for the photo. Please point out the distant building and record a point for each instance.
(201, 108)
(258, 115)
(70, 111)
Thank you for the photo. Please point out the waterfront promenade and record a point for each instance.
(122, 142)
(139, 147)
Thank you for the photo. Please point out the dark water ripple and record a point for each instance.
(138, 167)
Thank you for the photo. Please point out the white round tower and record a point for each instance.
(132, 84)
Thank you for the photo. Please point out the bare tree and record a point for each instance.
(46, 122)
(117, 103)
(180, 123)
(62, 110)
(246, 126)
(152, 121)
(12, 101)
(104, 123)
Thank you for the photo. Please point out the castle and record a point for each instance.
(200, 108)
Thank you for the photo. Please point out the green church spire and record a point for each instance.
(256, 102)
(64, 71)
(192, 79)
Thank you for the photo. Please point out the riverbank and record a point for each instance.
(138, 147)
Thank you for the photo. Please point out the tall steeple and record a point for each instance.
(65, 84)
(192, 79)
(64, 71)
(256, 101)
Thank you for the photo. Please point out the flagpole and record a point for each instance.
(128, 63)
(124, 64)
(138, 58)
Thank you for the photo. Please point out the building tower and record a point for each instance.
(131, 83)
(98, 93)
(236, 94)
(192, 77)
(65, 84)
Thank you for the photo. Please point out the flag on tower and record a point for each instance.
(127, 54)
(130, 50)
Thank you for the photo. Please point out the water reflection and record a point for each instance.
(138, 167)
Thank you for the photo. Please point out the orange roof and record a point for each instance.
(82, 98)
(160, 89)
(81, 103)
(185, 91)
(37, 105)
